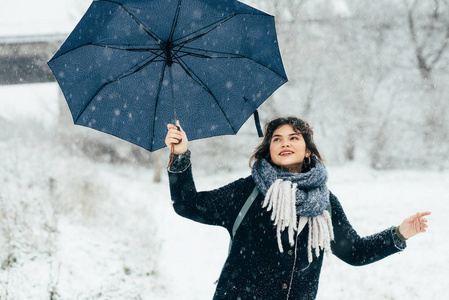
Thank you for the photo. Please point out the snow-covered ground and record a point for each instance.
(78, 229)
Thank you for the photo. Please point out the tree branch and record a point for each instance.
(440, 52)
(422, 64)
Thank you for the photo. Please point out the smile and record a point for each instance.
(285, 153)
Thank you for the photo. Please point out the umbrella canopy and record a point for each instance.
(132, 66)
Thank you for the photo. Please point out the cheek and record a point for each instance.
(271, 151)
(302, 145)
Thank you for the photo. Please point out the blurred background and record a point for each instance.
(370, 76)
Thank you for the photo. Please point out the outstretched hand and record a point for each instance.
(414, 224)
(176, 138)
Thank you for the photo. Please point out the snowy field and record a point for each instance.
(73, 228)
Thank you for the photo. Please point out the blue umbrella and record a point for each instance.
(130, 67)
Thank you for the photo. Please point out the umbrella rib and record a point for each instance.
(175, 20)
(124, 75)
(159, 88)
(142, 66)
(215, 24)
(186, 53)
(203, 85)
(107, 46)
(75, 48)
(154, 36)
(128, 49)
(218, 24)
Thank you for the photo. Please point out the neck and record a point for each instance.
(291, 169)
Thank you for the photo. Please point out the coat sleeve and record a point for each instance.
(216, 207)
(356, 250)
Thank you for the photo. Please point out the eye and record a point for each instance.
(275, 139)
(296, 137)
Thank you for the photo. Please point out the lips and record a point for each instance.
(285, 153)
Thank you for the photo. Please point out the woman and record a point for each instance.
(277, 251)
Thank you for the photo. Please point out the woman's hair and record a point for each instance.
(300, 126)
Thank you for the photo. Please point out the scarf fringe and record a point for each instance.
(321, 233)
(281, 201)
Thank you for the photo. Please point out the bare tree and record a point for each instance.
(428, 26)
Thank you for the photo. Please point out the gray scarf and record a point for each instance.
(292, 195)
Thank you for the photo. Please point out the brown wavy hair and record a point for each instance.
(300, 126)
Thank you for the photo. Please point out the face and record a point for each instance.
(288, 149)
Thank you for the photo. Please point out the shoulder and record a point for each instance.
(238, 191)
(332, 197)
(335, 203)
(242, 184)
(248, 181)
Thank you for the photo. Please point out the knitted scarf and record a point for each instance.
(292, 195)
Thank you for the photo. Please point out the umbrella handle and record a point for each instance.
(172, 153)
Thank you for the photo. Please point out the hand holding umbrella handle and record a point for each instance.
(176, 140)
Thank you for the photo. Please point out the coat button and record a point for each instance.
(284, 286)
(290, 252)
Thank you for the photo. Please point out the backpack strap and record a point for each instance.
(243, 212)
(241, 215)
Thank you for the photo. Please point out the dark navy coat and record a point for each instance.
(255, 269)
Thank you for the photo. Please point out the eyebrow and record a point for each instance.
(291, 134)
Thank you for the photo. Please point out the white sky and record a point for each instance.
(30, 17)
(44, 17)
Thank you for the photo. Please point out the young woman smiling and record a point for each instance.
(288, 149)
(277, 251)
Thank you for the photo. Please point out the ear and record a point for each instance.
(308, 153)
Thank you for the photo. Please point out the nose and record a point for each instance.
(286, 144)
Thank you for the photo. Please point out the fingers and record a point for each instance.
(174, 133)
(414, 224)
(423, 228)
(418, 215)
(174, 136)
(423, 221)
(171, 141)
(422, 214)
(176, 127)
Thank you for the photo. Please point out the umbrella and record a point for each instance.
(130, 67)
